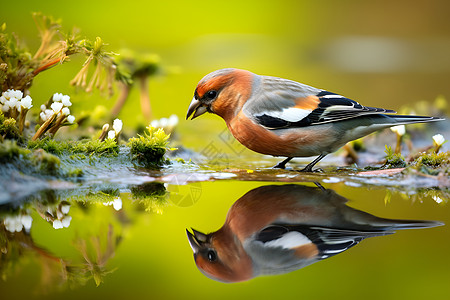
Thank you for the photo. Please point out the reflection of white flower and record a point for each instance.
(56, 107)
(26, 222)
(13, 224)
(438, 139)
(111, 134)
(66, 221)
(57, 224)
(399, 129)
(70, 119)
(65, 209)
(116, 203)
(117, 126)
(26, 102)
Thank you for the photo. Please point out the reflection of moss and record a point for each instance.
(152, 195)
(150, 148)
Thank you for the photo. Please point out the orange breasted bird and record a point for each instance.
(277, 229)
(281, 117)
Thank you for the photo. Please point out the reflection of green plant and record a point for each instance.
(152, 195)
(150, 148)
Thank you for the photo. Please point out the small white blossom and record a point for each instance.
(399, 129)
(57, 224)
(117, 126)
(70, 119)
(111, 134)
(56, 106)
(66, 221)
(16, 94)
(3, 99)
(437, 199)
(5, 108)
(43, 116)
(117, 204)
(66, 100)
(43, 107)
(438, 139)
(12, 102)
(26, 102)
(105, 127)
(163, 122)
(173, 120)
(57, 97)
(154, 123)
(65, 111)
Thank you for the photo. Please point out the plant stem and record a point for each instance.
(145, 98)
(43, 128)
(48, 65)
(124, 92)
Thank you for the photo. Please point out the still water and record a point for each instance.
(132, 242)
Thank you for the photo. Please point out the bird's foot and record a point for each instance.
(279, 165)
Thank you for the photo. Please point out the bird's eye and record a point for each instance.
(210, 95)
(212, 256)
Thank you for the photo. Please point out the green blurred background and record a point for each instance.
(381, 53)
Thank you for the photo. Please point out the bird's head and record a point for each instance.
(219, 256)
(221, 92)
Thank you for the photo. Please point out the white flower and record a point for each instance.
(65, 111)
(154, 123)
(5, 108)
(26, 222)
(163, 122)
(117, 126)
(57, 224)
(173, 120)
(66, 100)
(117, 204)
(399, 129)
(70, 119)
(16, 94)
(3, 99)
(57, 97)
(66, 221)
(111, 134)
(105, 127)
(438, 139)
(56, 106)
(43, 116)
(48, 113)
(12, 102)
(26, 102)
(43, 107)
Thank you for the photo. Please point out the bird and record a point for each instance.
(281, 117)
(276, 229)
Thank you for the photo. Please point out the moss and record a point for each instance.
(8, 128)
(108, 146)
(150, 148)
(433, 159)
(393, 160)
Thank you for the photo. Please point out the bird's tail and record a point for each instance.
(405, 119)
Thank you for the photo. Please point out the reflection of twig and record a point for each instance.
(145, 97)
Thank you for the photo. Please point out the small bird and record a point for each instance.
(281, 117)
(277, 229)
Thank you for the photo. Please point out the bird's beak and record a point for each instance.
(195, 108)
(196, 239)
(195, 245)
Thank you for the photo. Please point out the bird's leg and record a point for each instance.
(282, 164)
(309, 167)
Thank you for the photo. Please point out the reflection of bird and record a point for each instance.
(281, 228)
(281, 117)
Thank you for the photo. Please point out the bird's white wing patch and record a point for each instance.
(289, 240)
(291, 114)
